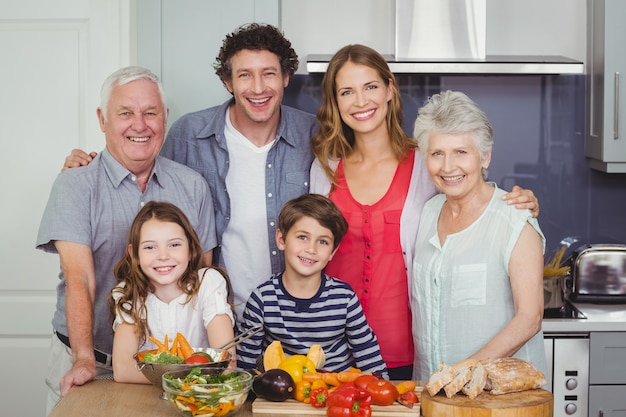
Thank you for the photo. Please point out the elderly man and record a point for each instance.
(88, 217)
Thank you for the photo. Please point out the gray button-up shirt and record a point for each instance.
(197, 140)
(95, 206)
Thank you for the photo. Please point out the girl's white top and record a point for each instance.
(190, 319)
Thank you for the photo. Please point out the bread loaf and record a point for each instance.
(498, 376)
(512, 374)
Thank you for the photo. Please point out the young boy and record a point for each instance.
(302, 305)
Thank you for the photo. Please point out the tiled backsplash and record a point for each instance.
(538, 126)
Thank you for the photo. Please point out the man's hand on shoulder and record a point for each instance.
(78, 158)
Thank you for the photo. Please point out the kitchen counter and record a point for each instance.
(600, 318)
(105, 398)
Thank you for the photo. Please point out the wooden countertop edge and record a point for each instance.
(104, 398)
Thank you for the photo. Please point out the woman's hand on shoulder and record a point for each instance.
(523, 199)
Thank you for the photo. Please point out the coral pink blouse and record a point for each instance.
(370, 259)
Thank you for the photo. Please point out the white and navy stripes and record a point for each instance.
(333, 318)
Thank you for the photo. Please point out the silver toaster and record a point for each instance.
(598, 274)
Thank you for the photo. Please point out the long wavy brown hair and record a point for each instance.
(335, 139)
(137, 286)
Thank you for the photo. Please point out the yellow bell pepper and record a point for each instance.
(296, 366)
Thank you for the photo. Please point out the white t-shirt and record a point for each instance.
(245, 242)
(190, 319)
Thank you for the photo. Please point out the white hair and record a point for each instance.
(124, 76)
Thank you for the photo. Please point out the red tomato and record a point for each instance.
(383, 392)
(363, 380)
(197, 358)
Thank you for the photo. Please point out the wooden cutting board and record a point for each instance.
(293, 408)
(531, 403)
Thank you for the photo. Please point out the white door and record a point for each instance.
(55, 55)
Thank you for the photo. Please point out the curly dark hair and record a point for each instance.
(255, 37)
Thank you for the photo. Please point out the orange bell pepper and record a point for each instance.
(405, 386)
(303, 389)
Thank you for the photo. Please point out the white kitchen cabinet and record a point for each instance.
(607, 400)
(607, 358)
(605, 131)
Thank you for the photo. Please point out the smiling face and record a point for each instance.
(163, 255)
(362, 97)
(454, 164)
(257, 85)
(308, 248)
(135, 124)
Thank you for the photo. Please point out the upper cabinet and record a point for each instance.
(605, 135)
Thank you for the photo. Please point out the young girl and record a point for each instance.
(163, 289)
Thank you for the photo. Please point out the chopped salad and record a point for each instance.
(207, 395)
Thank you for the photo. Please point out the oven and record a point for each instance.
(568, 372)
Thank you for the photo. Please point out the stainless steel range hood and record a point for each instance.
(492, 64)
(449, 37)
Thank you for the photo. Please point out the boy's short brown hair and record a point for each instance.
(317, 207)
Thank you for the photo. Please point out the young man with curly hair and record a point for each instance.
(254, 152)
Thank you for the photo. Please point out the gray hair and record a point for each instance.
(452, 112)
(124, 76)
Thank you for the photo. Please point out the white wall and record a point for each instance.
(55, 56)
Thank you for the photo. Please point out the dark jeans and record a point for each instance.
(401, 373)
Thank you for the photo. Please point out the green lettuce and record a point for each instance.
(162, 357)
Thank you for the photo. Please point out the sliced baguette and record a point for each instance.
(462, 377)
(477, 383)
(440, 378)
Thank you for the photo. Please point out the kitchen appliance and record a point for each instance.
(566, 311)
(557, 288)
(442, 29)
(568, 360)
(450, 37)
(598, 274)
(554, 291)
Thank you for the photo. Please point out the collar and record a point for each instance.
(217, 125)
(118, 173)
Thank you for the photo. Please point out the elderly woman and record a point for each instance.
(477, 287)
